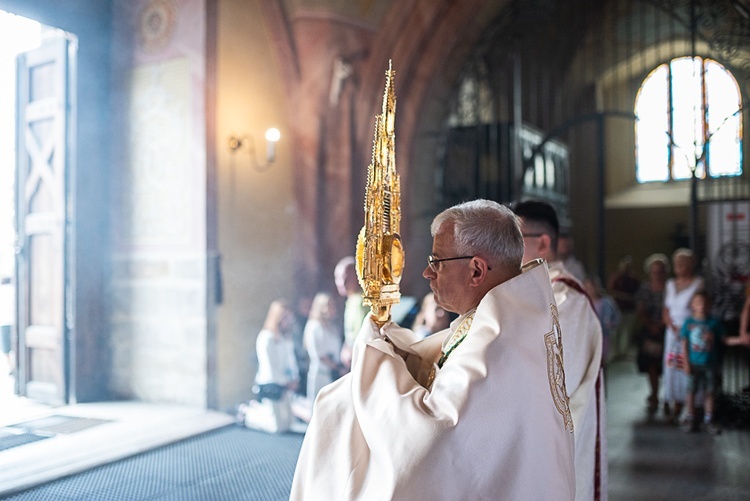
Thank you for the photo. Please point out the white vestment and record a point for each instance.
(582, 351)
(494, 423)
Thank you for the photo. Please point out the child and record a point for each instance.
(701, 334)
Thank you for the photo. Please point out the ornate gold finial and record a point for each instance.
(380, 255)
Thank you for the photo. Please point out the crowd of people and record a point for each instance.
(668, 324)
(679, 340)
(300, 352)
(386, 402)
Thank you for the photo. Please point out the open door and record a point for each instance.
(43, 113)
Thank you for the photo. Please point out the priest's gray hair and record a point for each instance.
(487, 229)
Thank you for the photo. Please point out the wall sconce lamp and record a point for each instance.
(236, 143)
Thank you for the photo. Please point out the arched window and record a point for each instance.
(688, 117)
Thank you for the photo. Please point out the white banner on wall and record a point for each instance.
(728, 246)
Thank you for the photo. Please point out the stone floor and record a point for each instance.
(651, 460)
(122, 429)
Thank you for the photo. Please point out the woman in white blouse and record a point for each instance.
(323, 343)
(277, 377)
(678, 292)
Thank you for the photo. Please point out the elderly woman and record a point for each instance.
(649, 310)
(678, 292)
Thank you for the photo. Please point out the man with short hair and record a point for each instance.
(582, 346)
(477, 411)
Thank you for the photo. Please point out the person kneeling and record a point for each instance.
(277, 378)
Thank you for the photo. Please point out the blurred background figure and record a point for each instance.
(347, 285)
(277, 377)
(606, 310)
(431, 318)
(650, 324)
(566, 254)
(623, 285)
(744, 329)
(323, 342)
(702, 336)
(7, 314)
(301, 314)
(745, 316)
(678, 292)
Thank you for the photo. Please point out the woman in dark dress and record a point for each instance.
(649, 305)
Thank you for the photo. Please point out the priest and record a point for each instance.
(583, 349)
(477, 411)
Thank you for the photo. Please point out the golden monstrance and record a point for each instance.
(380, 254)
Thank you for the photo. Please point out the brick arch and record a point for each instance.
(421, 39)
(427, 40)
(428, 48)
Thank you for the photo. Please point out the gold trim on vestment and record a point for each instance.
(456, 338)
(556, 371)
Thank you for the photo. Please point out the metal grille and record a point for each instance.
(571, 71)
(231, 463)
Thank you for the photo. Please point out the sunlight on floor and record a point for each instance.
(14, 408)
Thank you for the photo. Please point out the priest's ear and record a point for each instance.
(545, 247)
(538, 245)
(479, 269)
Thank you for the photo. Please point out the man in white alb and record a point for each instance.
(477, 411)
(582, 347)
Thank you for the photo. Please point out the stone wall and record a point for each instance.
(159, 312)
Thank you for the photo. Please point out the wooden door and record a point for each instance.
(42, 204)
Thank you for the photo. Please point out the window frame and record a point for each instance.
(702, 132)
